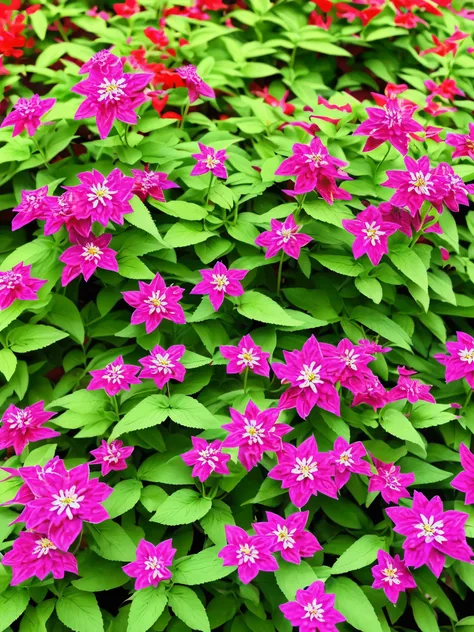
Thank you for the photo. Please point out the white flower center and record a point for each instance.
(19, 420)
(114, 374)
(287, 233)
(285, 536)
(154, 565)
(157, 303)
(305, 468)
(314, 610)
(113, 455)
(90, 252)
(430, 529)
(466, 355)
(391, 575)
(99, 193)
(209, 456)
(350, 358)
(43, 547)
(162, 364)
(316, 159)
(372, 233)
(220, 282)
(420, 183)
(345, 458)
(10, 280)
(248, 358)
(247, 553)
(254, 432)
(112, 90)
(211, 162)
(393, 117)
(65, 501)
(309, 376)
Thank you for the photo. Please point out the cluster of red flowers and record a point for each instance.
(12, 27)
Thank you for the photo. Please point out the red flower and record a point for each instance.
(127, 9)
(449, 45)
(156, 36)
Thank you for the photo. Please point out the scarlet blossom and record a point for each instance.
(391, 575)
(348, 460)
(152, 564)
(324, 5)
(126, 9)
(102, 62)
(151, 183)
(315, 19)
(464, 481)
(111, 456)
(34, 205)
(305, 471)
(88, 254)
(26, 114)
(436, 109)
(18, 284)
(210, 160)
(447, 89)
(447, 46)
(311, 384)
(219, 282)
(331, 106)
(163, 365)
(408, 20)
(372, 393)
(20, 426)
(156, 36)
(195, 85)
(390, 481)
(288, 536)
(206, 458)
(34, 555)
(246, 355)
(460, 361)
(463, 143)
(12, 40)
(116, 377)
(410, 389)
(366, 15)
(154, 302)
(372, 232)
(430, 132)
(61, 211)
(431, 533)
(313, 610)
(283, 236)
(250, 553)
(264, 93)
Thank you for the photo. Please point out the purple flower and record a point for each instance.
(305, 471)
(195, 85)
(431, 533)
(254, 432)
(347, 363)
(393, 123)
(453, 190)
(111, 456)
(246, 355)
(20, 426)
(17, 284)
(86, 256)
(218, 282)
(411, 390)
(288, 536)
(390, 482)
(418, 184)
(151, 564)
(348, 460)
(460, 361)
(370, 346)
(391, 575)
(151, 183)
(283, 236)
(154, 302)
(34, 205)
(206, 458)
(372, 233)
(464, 481)
(372, 393)
(116, 377)
(313, 610)
(111, 94)
(26, 114)
(210, 160)
(162, 365)
(34, 555)
(463, 143)
(102, 62)
(62, 212)
(310, 383)
(250, 553)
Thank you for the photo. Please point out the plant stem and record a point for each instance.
(381, 163)
(293, 57)
(300, 206)
(246, 375)
(184, 114)
(168, 389)
(211, 182)
(42, 154)
(236, 214)
(116, 406)
(468, 399)
(280, 268)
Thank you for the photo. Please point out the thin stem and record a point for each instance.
(246, 375)
(468, 399)
(301, 200)
(184, 114)
(168, 389)
(280, 268)
(62, 32)
(236, 214)
(116, 406)
(42, 154)
(381, 163)
(211, 182)
(293, 57)
(420, 232)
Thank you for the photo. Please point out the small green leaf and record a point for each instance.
(147, 606)
(79, 611)
(183, 507)
(362, 553)
(186, 605)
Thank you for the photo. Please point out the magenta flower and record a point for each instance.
(246, 355)
(17, 284)
(62, 212)
(391, 575)
(372, 233)
(116, 377)
(411, 390)
(348, 460)
(288, 536)
(464, 481)
(305, 472)
(419, 183)
(195, 85)
(463, 143)
(431, 533)
(111, 456)
(34, 205)
(460, 361)
(86, 256)
(206, 458)
(210, 160)
(162, 365)
(370, 346)
(254, 432)
(346, 363)
(63, 502)
(218, 282)
(34, 555)
(313, 610)
(392, 123)
(26, 114)
(102, 62)
(453, 190)
(310, 383)
(151, 183)
(151, 564)
(154, 302)
(250, 553)
(111, 94)
(372, 393)
(22, 426)
(101, 198)
(399, 216)
(32, 473)
(283, 236)
(390, 482)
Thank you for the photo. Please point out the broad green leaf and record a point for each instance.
(147, 606)
(97, 574)
(382, 325)
(188, 412)
(112, 542)
(32, 337)
(395, 423)
(65, 315)
(141, 218)
(257, 306)
(360, 554)
(201, 568)
(425, 473)
(13, 602)
(7, 363)
(186, 606)
(184, 210)
(292, 577)
(341, 264)
(353, 604)
(408, 262)
(125, 496)
(215, 520)
(151, 411)
(370, 287)
(183, 507)
(423, 614)
(79, 611)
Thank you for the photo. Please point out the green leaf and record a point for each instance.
(215, 520)
(200, 568)
(395, 423)
(97, 574)
(112, 542)
(257, 306)
(370, 287)
(318, 209)
(382, 325)
(186, 411)
(186, 605)
(184, 210)
(293, 577)
(408, 262)
(8, 363)
(160, 468)
(39, 23)
(425, 473)
(340, 264)
(362, 553)
(34, 619)
(423, 614)
(32, 337)
(183, 507)
(184, 234)
(65, 315)
(79, 611)
(125, 496)
(141, 218)
(147, 606)
(151, 411)
(353, 604)
(132, 267)
(13, 602)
